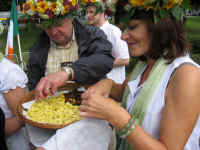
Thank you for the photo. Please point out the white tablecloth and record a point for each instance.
(87, 134)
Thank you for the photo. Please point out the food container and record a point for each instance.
(72, 96)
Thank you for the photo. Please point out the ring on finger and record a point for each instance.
(47, 88)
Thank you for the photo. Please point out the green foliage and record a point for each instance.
(99, 7)
(131, 65)
(155, 18)
(177, 12)
(186, 4)
(196, 58)
(46, 23)
(163, 13)
(193, 30)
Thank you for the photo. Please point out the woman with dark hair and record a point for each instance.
(160, 99)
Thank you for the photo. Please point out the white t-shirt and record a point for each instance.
(12, 76)
(119, 50)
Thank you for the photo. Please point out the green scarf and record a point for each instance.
(144, 97)
(1, 56)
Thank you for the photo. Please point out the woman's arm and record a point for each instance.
(97, 106)
(12, 125)
(182, 107)
(179, 115)
(13, 98)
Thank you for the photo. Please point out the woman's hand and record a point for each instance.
(107, 88)
(97, 106)
(103, 87)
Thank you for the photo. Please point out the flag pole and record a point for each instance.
(20, 52)
(19, 45)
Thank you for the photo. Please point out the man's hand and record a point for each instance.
(121, 62)
(48, 85)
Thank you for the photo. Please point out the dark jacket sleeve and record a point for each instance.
(95, 59)
(37, 60)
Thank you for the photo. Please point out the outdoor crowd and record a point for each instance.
(155, 107)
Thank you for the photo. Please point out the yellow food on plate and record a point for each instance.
(54, 110)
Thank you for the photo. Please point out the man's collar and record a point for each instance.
(73, 35)
(105, 24)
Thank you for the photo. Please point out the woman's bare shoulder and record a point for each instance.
(185, 83)
(186, 73)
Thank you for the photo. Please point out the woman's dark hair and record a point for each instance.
(168, 36)
(169, 40)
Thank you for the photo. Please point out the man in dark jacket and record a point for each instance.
(92, 62)
(67, 40)
(90, 52)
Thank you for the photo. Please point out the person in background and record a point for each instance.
(65, 39)
(12, 88)
(96, 12)
(160, 99)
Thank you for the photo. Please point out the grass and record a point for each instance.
(193, 29)
(193, 23)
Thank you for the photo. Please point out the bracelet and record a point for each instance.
(124, 132)
(130, 129)
(127, 126)
(68, 70)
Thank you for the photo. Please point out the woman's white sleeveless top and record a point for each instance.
(151, 123)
